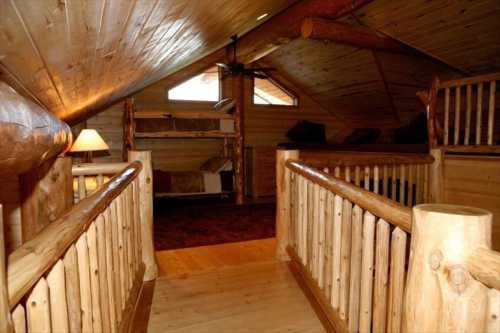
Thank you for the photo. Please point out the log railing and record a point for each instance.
(461, 114)
(349, 250)
(84, 271)
(88, 177)
(401, 177)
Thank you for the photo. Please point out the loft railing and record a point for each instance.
(88, 177)
(349, 249)
(461, 114)
(84, 271)
(398, 176)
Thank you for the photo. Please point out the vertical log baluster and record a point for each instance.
(479, 120)
(402, 185)
(310, 223)
(381, 276)
(73, 290)
(491, 113)
(394, 182)
(110, 269)
(367, 178)
(38, 308)
(5, 316)
(345, 262)
(336, 251)
(103, 273)
(457, 116)
(82, 189)
(376, 179)
(305, 220)
(385, 183)
(357, 176)
(468, 115)
(446, 116)
(365, 311)
(355, 269)
(84, 278)
(97, 322)
(57, 297)
(315, 231)
(396, 281)
(411, 168)
(328, 243)
(321, 237)
(19, 319)
(117, 260)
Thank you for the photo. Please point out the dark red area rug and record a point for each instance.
(181, 223)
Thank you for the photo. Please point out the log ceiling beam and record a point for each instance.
(323, 29)
(284, 27)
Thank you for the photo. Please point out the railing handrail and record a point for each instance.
(470, 80)
(343, 158)
(484, 265)
(92, 169)
(30, 261)
(378, 205)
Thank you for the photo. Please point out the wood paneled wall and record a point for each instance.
(10, 200)
(474, 181)
(264, 125)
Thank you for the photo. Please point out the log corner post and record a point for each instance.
(146, 211)
(441, 295)
(283, 201)
(128, 127)
(436, 177)
(5, 318)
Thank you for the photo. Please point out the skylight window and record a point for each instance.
(269, 92)
(201, 88)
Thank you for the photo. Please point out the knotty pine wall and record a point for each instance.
(264, 125)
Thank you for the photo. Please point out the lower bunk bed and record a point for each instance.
(215, 177)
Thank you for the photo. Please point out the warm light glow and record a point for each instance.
(263, 16)
(89, 140)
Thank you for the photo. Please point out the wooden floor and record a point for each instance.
(236, 287)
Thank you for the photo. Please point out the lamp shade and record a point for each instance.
(89, 140)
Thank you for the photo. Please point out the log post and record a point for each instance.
(283, 201)
(46, 193)
(239, 144)
(436, 176)
(5, 318)
(146, 211)
(441, 294)
(128, 127)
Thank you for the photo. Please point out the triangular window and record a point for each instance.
(269, 92)
(203, 87)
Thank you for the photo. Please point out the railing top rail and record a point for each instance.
(343, 158)
(30, 261)
(382, 207)
(91, 169)
(470, 80)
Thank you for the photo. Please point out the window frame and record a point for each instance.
(186, 101)
(288, 91)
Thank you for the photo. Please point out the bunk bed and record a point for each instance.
(215, 176)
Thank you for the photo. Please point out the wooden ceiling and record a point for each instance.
(75, 56)
(377, 88)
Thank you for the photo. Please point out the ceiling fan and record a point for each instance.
(235, 68)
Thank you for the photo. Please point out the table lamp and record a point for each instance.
(88, 141)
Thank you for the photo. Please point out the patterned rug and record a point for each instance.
(181, 223)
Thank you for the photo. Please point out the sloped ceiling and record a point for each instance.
(73, 56)
(378, 89)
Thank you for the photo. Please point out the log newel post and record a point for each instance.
(5, 318)
(441, 295)
(283, 191)
(146, 211)
(436, 175)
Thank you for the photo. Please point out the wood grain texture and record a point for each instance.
(79, 56)
(29, 262)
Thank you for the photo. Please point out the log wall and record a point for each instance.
(474, 181)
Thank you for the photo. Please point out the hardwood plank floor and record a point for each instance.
(236, 287)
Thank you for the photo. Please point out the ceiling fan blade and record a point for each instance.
(265, 69)
(223, 65)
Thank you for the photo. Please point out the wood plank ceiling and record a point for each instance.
(75, 56)
(376, 89)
